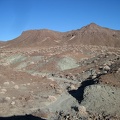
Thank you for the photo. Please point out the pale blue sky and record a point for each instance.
(17, 16)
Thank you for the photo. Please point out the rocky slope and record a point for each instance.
(91, 34)
(61, 76)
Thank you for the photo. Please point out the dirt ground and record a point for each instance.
(60, 81)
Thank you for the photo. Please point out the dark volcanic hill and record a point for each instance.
(91, 34)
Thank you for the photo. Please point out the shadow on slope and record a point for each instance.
(26, 117)
(78, 94)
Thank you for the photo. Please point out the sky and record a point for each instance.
(17, 16)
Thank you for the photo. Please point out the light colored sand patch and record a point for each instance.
(67, 63)
(12, 59)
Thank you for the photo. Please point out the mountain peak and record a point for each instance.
(93, 25)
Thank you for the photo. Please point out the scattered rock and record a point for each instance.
(82, 110)
(13, 103)
(72, 87)
(16, 87)
(94, 76)
(28, 83)
(3, 90)
(106, 68)
(6, 83)
(8, 98)
(52, 98)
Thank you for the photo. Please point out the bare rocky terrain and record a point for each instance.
(49, 75)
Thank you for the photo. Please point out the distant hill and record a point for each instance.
(91, 34)
(2, 43)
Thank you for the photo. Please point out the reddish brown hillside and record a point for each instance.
(2, 43)
(32, 38)
(91, 34)
(94, 35)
